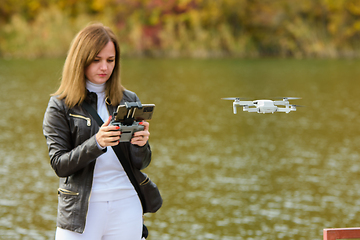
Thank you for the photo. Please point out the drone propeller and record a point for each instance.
(230, 98)
(287, 98)
(290, 98)
(234, 98)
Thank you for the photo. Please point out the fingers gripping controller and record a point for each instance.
(127, 131)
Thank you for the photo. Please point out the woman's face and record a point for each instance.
(100, 70)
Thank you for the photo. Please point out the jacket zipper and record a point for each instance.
(88, 120)
(147, 179)
(67, 192)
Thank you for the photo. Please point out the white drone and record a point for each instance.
(264, 106)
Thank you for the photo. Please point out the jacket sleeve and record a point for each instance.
(64, 158)
(140, 156)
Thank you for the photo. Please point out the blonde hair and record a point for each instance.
(84, 48)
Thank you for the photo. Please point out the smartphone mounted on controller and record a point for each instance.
(128, 117)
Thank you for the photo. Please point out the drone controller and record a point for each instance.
(127, 131)
(129, 116)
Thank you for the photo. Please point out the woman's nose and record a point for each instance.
(103, 66)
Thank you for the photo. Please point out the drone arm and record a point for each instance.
(284, 103)
(246, 103)
(287, 109)
(247, 109)
(235, 105)
(283, 110)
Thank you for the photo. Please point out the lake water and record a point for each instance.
(222, 176)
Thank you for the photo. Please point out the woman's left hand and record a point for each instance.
(140, 138)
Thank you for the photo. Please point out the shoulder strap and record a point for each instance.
(119, 153)
(93, 113)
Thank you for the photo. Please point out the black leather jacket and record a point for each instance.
(70, 136)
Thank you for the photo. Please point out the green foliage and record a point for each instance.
(187, 28)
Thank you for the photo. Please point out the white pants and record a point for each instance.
(114, 220)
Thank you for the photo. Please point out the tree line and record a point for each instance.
(187, 28)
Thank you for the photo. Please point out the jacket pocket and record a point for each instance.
(88, 120)
(68, 208)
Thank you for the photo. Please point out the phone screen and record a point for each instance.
(121, 113)
(145, 113)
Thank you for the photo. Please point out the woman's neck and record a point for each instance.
(93, 87)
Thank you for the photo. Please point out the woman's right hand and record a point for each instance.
(108, 135)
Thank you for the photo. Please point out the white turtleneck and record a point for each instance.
(110, 180)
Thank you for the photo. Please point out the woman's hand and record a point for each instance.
(108, 135)
(140, 138)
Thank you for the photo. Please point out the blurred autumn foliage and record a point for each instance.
(187, 28)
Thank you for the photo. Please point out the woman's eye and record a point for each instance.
(96, 60)
(111, 60)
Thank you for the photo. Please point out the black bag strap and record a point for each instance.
(119, 153)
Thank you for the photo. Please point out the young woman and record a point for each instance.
(96, 199)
